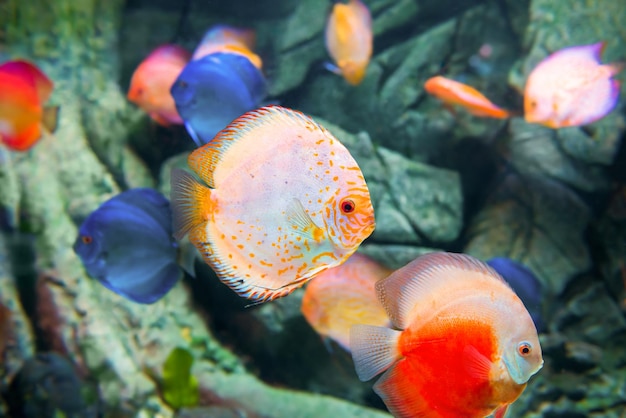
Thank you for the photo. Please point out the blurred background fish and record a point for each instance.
(525, 284)
(343, 296)
(466, 345)
(224, 38)
(127, 245)
(349, 40)
(571, 88)
(152, 80)
(24, 89)
(285, 201)
(214, 90)
(454, 93)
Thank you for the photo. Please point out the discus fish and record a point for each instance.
(571, 88)
(454, 93)
(127, 245)
(214, 90)
(343, 296)
(466, 345)
(285, 201)
(151, 82)
(349, 39)
(525, 284)
(223, 38)
(24, 89)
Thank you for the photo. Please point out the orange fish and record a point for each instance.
(466, 345)
(454, 93)
(151, 82)
(285, 201)
(571, 88)
(349, 39)
(223, 38)
(344, 296)
(24, 89)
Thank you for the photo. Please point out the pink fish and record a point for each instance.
(344, 296)
(571, 88)
(151, 82)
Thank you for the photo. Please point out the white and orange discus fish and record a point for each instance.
(349, 39)
(344, 296)
(285, 201)
(466, 345)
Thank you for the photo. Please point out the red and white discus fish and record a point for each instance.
(466, 345)
(285, 201)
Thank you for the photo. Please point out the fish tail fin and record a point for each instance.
(190, 201)
(50, 118)
(373, 349)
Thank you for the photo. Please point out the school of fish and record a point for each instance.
(273, 201)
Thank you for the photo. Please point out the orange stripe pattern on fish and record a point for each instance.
(224, 38)
(343, 296)
(349, 39)
(152, 80)
(466, 345)
(24, 89)
(452, 92)
(285, 201)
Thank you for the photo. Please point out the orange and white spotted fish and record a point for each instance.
(344, 296)
(285, 201)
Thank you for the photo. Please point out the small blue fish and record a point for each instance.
(127, 245)
(524, 283)
(214, 90)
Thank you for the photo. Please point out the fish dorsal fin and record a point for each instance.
(263, 128)
(427, 281)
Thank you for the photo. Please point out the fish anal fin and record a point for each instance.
(398, 390)
(501, 411)
(50, 118)
(191, 203)
(476, 364)
(374, 349)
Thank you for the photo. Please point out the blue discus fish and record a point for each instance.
(525, 284)
(214, 90)
(127, 245)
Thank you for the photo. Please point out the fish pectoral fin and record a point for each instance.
(50, 118)
(374, 349)
(301, 222)
(192, 133)
(476, 364)
(332, 68)
(190, 201)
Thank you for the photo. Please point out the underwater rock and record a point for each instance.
(46, 386)
(536, 222)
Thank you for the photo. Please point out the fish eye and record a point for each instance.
(533, 104)
(87, 239)
(347, 206)
(524, 349)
